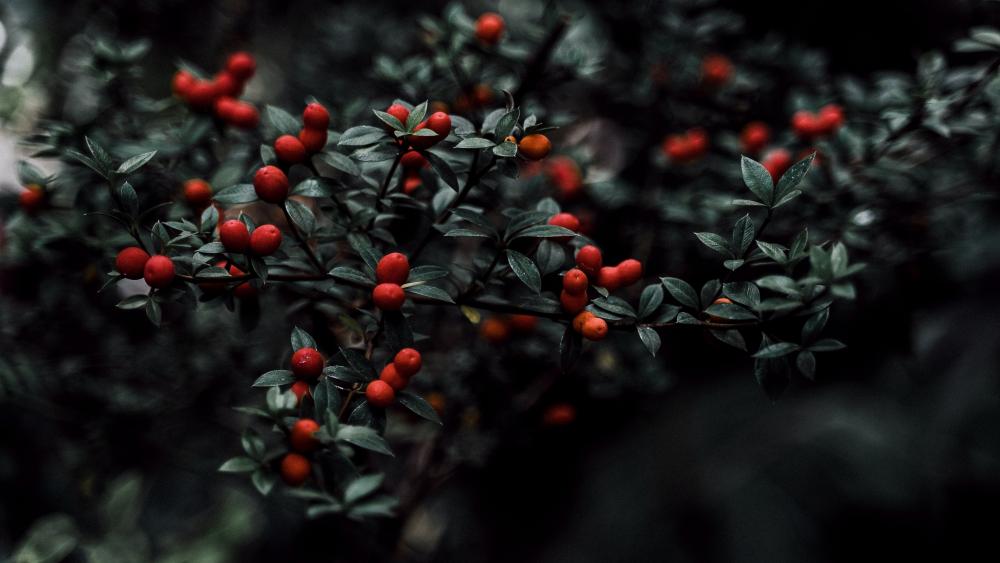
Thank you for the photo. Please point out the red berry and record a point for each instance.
(575, 282)
(412, 181)
(388, 296)
(393, 268)
(301, 389)
(301, 436)
(716, 70)
(565, 175)
(315, 116)
(182, 83)
(265, 240)
(201, 95)
(565, 220)
(234, 235)
(244, 115)
(241, 65)
(408, 362)
(831, 118)
(314, 140)
(489, 28)
(307, 363)
(31, 199)
(595, 328)
(755, 137)
(159, 271)
(225, 108)
(440, 123)
(697, 140)
(390, 374)
(777, 162)
(580, 319)
(226, 85)
(399, 111)
(131, 262)
(609, 278)
(630, 271)
(588, 258)
(271, 184)
(295, 469)
(379, 394)
(559, 414)
(523, 323)
(573, 303)
(198, 193)
(413, 160)
(494, 330)
(290, 149)
(806, 124)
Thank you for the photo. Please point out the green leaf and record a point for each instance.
(467, 233)
(263, 481)
(814, 326)
(615, 306)
(681, 291)
(301, 339)
(416, 116)
(827, 345)
(570, 348)
(650, 339)
(442, 169)
(240, 193)
(430, 292)
(791, 179)
(776, 350)
(100, 155)
(340, 162)
(128, 199)
(716, 243)
(390, 120)
(475, 143)
(361, 136)
(650, 300)
(732, 337)
(427, 273)
(775, 252)
(376, 153)
(239, 465)
(743, 234)
(282, 121)
(350, 274)
(136, 162)
(418, 406)
(758, 179)
(364, 437)
(506, 123)
(730, 311)
(544, 231)
(301, 215)
(806, 362)
(133, 302)
(313, 187)
(525, 270)
(779, 284)
(153, 312)
(274, 378)
(344, 374)
(505, 149)
(362, 486)
(88, 162)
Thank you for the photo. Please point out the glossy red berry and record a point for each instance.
(575, 281)
(201, 94)
(198, 193)
(315, 116)
(629, 271)
(565, 220)
(388, 296)
(390, 374)
(244, 115)
(314, 140)
(393, 268)
(399, 111)
(412, 181)
(565, 175)
(131, 262)
(831, 118)
(271, 184)
(408, 361)
(301, 389)
(265, 240)
(609, 278)
(440, 123)
(225, 85)
(159, 271)
(234, 236)
(573, 303)
(413, 160)
(307, 363)
(489, 28)
(295, 469)
(225, 108)
(755, 137)
(379, 394)
(588, 259)
(289, 149)
(301, 435)
(806, 125)
(241, 65)
(181, 83)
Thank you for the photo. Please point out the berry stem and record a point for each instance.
(384, 188)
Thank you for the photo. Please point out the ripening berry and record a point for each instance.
(440, 123)
(288, 148)
(535, 146)
(301, 436)
(198, 193)
(437, 401)
(295, 469)
(307, 363)
(755, 137)
(831, 118)
(575, 281)
(265, 240)
(777, 162)
(234, 236)
(609, 278)
(806, 124)
(580, 319)
(315, 116)
(559, 414)
(390, 374)
(225, 85)
(573, 303)
(630, 271)
(482, 94)
(271, 184)
(408, 362)
(31, 198)
(388, 296)
(200, 95)
(722, 301)
(399, 111)
(159, 271)
(489, 28)
(565, 175)
(314, 140)
(131, 262)
(301, 389)
(595, 329)
(412, 182)
(588, 259)
(379, 394)
(241, 65)
(393, 268)
(494, 330)
(413, 160)
(181, 83)
(716, 70)
(523, 323)
(565, 220)
(244, 115)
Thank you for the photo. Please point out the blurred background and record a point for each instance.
(111, 430)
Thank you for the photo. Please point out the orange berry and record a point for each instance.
(535, 146)
(494, 330)
(575, 281)
(595, 328)
(630, 271)
(559, 414)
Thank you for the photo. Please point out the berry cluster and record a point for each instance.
(219, 95)
(236, 237)
(686, 147)
(412, 162)
(292, 149)
(391, 273)
(808, 125)
(135, 263)
(395, 377)
(439, 122)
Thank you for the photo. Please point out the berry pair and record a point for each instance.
(391, 273)
(590, 326)
(291, 149)
(626, 273)
(395, 376)
(574, 293)
(412, 162)
(219, 94)
(264, 241)
(808, 125)
(497, 329)
(135, 263)
(439, 122)
(686, 147)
